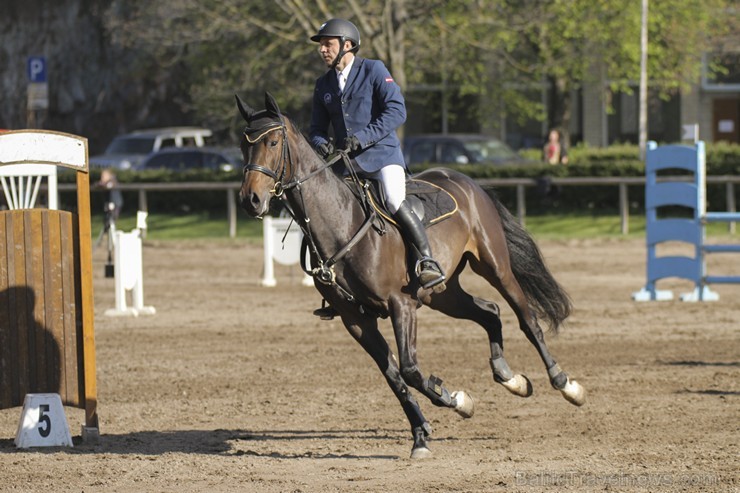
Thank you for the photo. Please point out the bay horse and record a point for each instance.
(365, 275)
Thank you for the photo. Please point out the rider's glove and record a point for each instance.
(325, 150)
(352, 143)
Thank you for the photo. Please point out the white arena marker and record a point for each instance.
(282, 244)
(129, 275)
(43, 423)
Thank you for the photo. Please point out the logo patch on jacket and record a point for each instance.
(389, 79)
(327, 98)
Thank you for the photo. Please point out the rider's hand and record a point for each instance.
(325, 150)
(352, 143)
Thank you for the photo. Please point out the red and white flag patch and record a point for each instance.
(389, 79)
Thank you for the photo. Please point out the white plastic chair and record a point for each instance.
(21, 183)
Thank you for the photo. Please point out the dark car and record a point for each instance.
(187, 158)
(458, 149)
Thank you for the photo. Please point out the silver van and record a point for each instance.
(128, 150)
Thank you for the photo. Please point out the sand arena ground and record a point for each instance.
(235, 387)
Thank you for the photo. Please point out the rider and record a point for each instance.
(364, 106)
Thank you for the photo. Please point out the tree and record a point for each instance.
(556, 41)
(248, 47)
(470, 52)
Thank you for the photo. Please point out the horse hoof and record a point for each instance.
(519, 385)
(574, 393)
(421, 453)
(464, 404)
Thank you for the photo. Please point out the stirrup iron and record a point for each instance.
(440, 279)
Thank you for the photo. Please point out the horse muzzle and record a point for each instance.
(253, 204)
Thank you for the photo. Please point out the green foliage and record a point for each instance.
(723, 159)
(495, 50)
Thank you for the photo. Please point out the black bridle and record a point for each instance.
(325, 271)
(286, 161)
(284, 155)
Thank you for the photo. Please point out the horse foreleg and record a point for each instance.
(365, 331)
(403, 317)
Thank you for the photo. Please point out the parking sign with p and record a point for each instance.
(36, 66)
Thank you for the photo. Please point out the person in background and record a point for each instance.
(114, 201)
(112, 208)
(554, 151)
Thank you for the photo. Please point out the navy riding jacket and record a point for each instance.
(371, 107)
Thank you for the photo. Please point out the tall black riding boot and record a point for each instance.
(427, 269)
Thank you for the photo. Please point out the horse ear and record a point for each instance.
(271, 105)
(244, 108)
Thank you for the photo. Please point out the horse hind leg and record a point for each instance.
(516, 383)
(571, 390)
(500, 276)
(457, 303)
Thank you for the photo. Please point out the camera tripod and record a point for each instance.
(109, 230)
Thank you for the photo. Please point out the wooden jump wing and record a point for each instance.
(47, 336)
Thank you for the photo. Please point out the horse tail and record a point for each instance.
(546, 297)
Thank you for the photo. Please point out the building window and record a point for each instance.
(727, 77)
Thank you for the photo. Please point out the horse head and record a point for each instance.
(266, 154)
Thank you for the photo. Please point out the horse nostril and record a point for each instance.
(255, 201)
(249, 201)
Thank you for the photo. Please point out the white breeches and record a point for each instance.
(393, 180)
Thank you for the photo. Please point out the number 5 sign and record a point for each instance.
(43, 423)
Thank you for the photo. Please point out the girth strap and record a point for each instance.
(352, 242)
(324, 272)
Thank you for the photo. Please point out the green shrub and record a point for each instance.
(614, 161)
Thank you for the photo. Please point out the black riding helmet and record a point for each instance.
(342, 29)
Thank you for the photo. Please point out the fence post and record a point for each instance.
(624, 208)
(730, 192)
(142, 200)
(521, 204)
(231, 211)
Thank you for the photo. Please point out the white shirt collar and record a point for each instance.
(346, 70)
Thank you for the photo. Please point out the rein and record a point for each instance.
(324, 273)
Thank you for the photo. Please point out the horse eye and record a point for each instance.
(273, 143)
